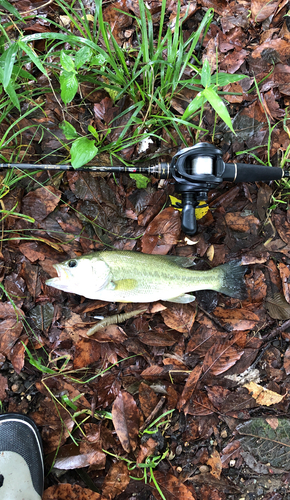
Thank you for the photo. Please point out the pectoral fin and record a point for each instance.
(125, 285)
(182, 299)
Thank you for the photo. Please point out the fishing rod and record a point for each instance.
(196, 170)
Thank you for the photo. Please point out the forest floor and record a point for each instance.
(183, 401)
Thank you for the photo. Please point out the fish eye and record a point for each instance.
(72, 263)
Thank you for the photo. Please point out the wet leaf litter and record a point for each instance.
(218, 365)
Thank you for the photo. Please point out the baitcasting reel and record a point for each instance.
(195, 170)
(200, 168)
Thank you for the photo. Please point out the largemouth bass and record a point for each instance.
(125, 276)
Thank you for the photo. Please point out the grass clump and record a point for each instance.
(150, 74)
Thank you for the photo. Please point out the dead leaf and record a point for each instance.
(126, 417)
(66, 491)
(157, 338)
(216, 464)
(220, 357)
(189, 387)
(286, 363)
(276, 51)
(234, 87)
(179, 317)
(146, 450)
(243, 223)
(148, 399)
(41, 202)
(263, 396)
(237, 319)
(230, 452)
(162, 233)
(86, 352)
(199, 404)
(72, 457)
(233, 61)
(116, 481)
(10, 331)
(171, 487)
(277, 306)
(285, 279)
(111, 333)
(262, 10)
(3, 387)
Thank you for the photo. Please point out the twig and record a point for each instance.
(277, 331)
(36, 8)
(152, 414)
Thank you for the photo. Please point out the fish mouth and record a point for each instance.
(62, 279)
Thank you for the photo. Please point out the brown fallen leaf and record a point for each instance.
(216, 464)
(162, 233)
(285, 279)
(189, 387)
(148, 399)
(231, 452)
(171, 487)
(237, 319)
(286, 363)
(41, 202)
(220, 357)
(125, 415)
(116, 481)
(179, 317)
(86, 352)
(66, 491)
(3, 387)
(157, 338)
(261, 10)
(239, 222)
(277, 306)
(199, 404)
(263, 396)
(276, 51)
(146, 450)
(72, 457)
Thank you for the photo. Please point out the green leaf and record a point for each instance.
(196, 104)
(82, 151)
(93, 131)
(223, 79)
(68, 130)
(32, 55)
(10, 91)
(69, 86)
(18, 71)
(7, 5)
(219, 106)
(205, 74)
(141, 180)
(9, 57)
(82, 56)
(98, 60)
(67, 62)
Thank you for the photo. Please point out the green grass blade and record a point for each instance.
(32, 55)
(9, 57)
(218, 105)
(7, 5)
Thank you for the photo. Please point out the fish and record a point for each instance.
(128, 276)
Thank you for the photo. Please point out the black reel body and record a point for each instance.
(196, 170)
(200, 168)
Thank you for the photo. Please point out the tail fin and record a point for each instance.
(232, 282)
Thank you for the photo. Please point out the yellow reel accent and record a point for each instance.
(200, 211)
